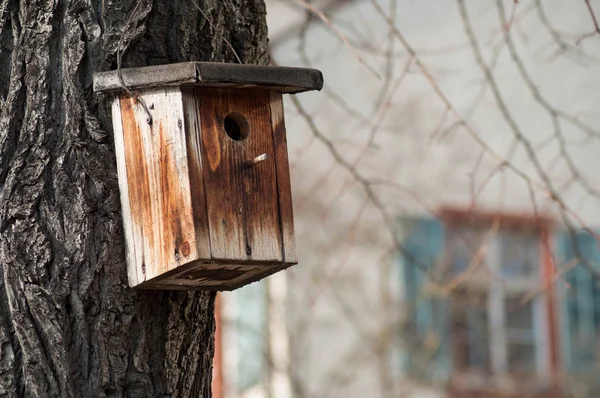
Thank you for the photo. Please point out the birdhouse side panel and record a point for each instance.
(284, 187)
(241, 196)
(160, 231)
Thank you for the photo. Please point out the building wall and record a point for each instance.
(344, 299)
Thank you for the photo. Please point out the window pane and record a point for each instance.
(519, 315)
(521, 358)
(584, 350)
(571, 299)
(464, 243)
(470, 332)
(520, 253)
(520, 337)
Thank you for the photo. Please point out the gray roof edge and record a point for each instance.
(279, 78)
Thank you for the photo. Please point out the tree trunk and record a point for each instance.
(69, 324)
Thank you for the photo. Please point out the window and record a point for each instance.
(496, 328)
(469, 283)
(484, 304)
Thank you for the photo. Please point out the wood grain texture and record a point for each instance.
(161, 216)
(133, 247)
(194, 156)
(185, 182)
(284, 188)
(243, 209)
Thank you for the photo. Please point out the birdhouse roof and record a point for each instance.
(211, 74)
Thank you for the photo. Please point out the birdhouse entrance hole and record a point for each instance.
(236, 126)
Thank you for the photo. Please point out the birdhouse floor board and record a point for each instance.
(212, 276)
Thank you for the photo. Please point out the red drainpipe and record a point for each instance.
(217, 380)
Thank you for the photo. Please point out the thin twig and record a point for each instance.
(563, 46)
(216, 31)
(388, 220)
(512, 15)
(389, 68)
(594, 20)
(343, 37)
(135, 96)
(554, 113)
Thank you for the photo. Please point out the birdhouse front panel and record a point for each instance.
(203, 172)
(241, 193)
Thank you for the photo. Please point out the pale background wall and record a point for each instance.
(343, 297)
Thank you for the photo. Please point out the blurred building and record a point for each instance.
(474, 281)
(472, 325)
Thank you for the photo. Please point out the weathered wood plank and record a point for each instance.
(279, 78)
(158, 182)
(213, 276)
(284, 188)
(194, 157)
(146, 77)
(243, 210)
(223, 188)
(133, 248)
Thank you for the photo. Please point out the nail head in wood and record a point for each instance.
(257, 160)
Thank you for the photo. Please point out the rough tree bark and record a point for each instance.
(69, 325)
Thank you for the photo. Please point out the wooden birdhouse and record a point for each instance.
(203, 171)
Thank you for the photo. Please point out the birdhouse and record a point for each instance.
(203, 171)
